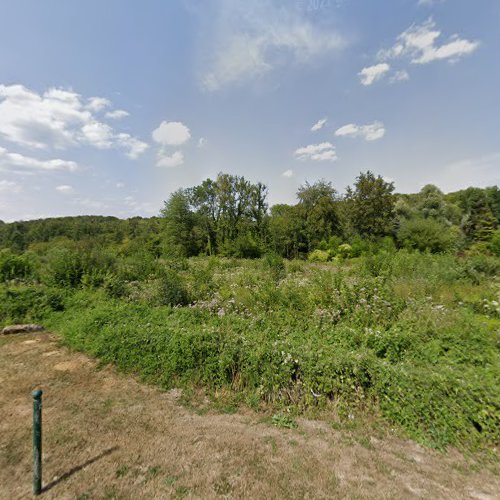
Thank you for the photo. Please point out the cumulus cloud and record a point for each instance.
(419, 44)
(171, 134)
(371, 132)
(371, 74)
(251, 39)
(13, 161)
(319, 124)
(117, 114)
(324, 151)
(174, 160)
(98, 103)
(65, 189)
(58, 119)
(287, 173)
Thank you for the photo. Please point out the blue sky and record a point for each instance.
(108, 107)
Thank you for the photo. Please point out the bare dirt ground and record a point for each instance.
(106, 436)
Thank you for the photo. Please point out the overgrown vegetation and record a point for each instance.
(399, 316)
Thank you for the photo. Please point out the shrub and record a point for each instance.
(318, 256)
(276, 265)
(495, 243)
(426, 235)
(24, 304)
(171, 289)
(14, 266)
(345, 251)
(64, 267)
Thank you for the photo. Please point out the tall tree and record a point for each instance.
(179, 226)
(370, 205)
(318, 208)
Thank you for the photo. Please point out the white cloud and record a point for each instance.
(98, 134)
(9, 187)
(65, 189)
(324, 151)
(419, 44)
(399, 76)
(171, 133)
(174, 160)
(13, 161)
(371, 74)
(319, 124)
(202, 142)
(133, 147)
(120, 185)
(370, 132)
(117, 114)
(98, 103)
(57, 119)
(253, 38)
(287, 173)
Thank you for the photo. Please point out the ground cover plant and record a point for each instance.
(395, 316)
(415, 336)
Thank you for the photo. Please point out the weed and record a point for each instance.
(283, 421)
(122, 471)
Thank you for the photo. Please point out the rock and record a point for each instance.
(8, 330)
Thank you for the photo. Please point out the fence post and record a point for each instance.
(37, 441)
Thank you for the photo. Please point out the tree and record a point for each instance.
(286, 228)
(219, 216)
(479, 222)
(318, 208)
(370, 205)
(179, 226)
(431, 203)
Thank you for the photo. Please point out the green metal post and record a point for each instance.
(37, 442)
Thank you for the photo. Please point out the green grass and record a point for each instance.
(406, 335)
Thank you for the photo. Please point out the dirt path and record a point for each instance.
(107, 436)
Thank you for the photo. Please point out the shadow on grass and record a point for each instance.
(78, 468)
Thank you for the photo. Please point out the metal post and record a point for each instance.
(37, 442)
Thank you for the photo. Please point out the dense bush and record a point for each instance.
(319, 256)
(14, 266)
(427, 235)
(24, 304)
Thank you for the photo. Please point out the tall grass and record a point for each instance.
(409, 334)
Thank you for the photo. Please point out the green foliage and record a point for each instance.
(345, 251)
(276, 266)
(14, 266)
(411, 334)
(283, 421)
(370, 205)
(426, 235)
(24, 304)
(318, 256)
(494, 245)
(171, 289)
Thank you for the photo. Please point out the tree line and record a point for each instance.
(230, 216)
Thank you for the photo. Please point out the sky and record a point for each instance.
(108, 107)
